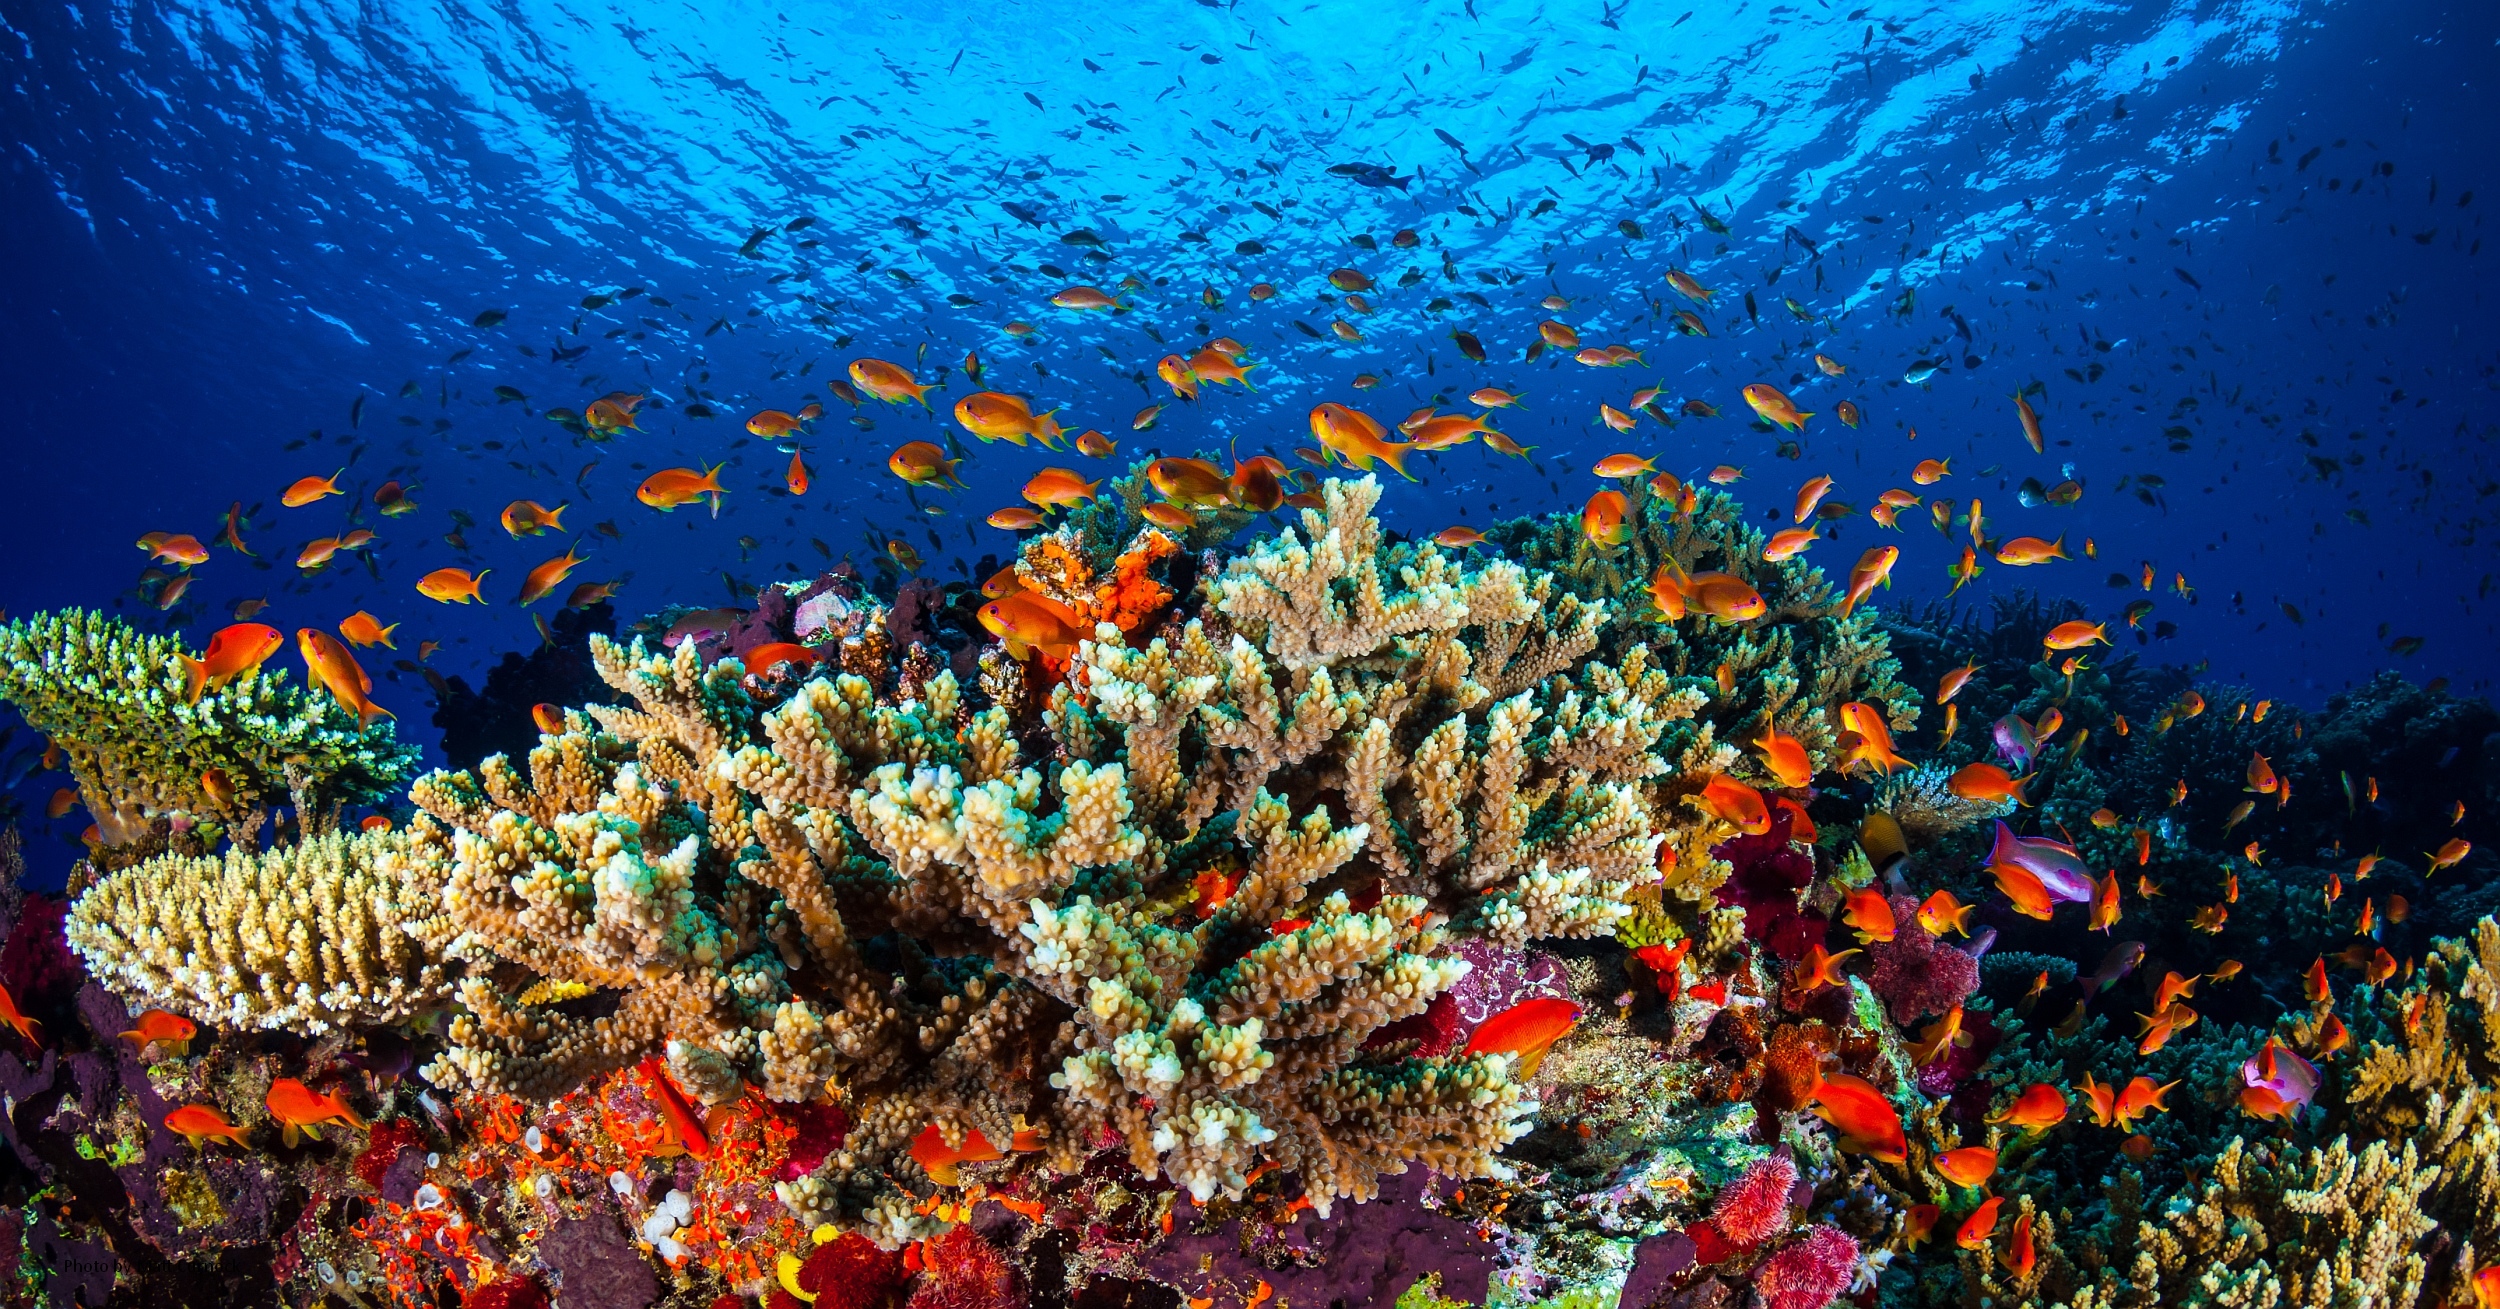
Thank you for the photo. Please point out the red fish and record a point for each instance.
(1820, 969)
(684, 1121)
(1975, 1230)
(1737, 803)
(1868, 912)
(2021, 1256)
(940, 1160)
(301, 1111)
(2039, 1108)
(1866, 1121)
(762, 658)
(9, 1014)
(2140, 1098)
(1972, 1165)
(198, 1122)
(1527, 1029)
(171, 1031)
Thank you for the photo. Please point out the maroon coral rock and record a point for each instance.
(1765, 874)
(821, 1129)
(1809, 1274)
(36, 964)
(1915, 973)
(507, 1293)
(1754, 1208)
(1435, 1029)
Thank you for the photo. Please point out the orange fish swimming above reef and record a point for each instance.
(1527, 1029)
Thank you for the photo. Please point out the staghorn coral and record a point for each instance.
(1165, 937)
(114, 699)
(1918, 799)
(306, 938)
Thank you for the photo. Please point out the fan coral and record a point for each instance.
(116, 702)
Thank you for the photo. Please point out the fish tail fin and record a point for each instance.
(1848, 601)
(194, 678)
(554, 521)
(1802, 416)
(1394, 455)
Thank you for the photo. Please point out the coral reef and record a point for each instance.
(1330, 918)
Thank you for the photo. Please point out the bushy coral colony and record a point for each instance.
(1333, 919)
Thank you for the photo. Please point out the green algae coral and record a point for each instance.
(114, 699)
(305, 938)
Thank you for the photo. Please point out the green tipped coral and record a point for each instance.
(1792, 668)
(114, 700)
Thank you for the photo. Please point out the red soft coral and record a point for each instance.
(1914, 972)
(508, 1293)
(850, 1272)
(1765, 873)
(962, 1271)
(1809, 1274)
(1754, 1208)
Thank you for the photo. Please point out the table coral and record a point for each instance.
(307, 938)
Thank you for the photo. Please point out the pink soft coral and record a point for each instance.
(1916, 973)
(1754, 1208)
(1809, 1274)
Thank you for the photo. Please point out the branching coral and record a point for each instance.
(304, 938)
(1168, 933)
(116, 700)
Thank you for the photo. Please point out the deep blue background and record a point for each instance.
(225, 224)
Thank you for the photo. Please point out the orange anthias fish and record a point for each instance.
(671, 487)
(1059, 486)
(10, 1016)
(172, 1032)
(548, 576)
(1027, 622)
(1606, 520)
(1737, 803)
(2031, 421)
(1620, 466)
(1944, 910)
(1866, 910)
(1866, 1121)
(1986, 782)
(1972, 1165)
(174, 548)
(1775, 407)
(452, 586)
(1867, 739)
(2024, 551)
(997, 416)
(1190, 482)
(683, 1120)
(796, 480)
(1788, 543)
(1952, 683)
(2105, 902)
(528, 518)
(887, 382)
(2101, 1098)
(1874, 568)
(301, 1111)
(1527, 1029)
(1938, 1037)
(1458, 538)
(1720, 596)
(1358, 438)
(922, 462)
(1821, 968)
(1014, 518)
(2075, 635)
(941, 1160)
(2141, 1098)
(1919, 1223)
(2022, 886)
(1784, 756)
(305, 490)
(1810, 495)
(232, 652)
(196, 1123)
(2039, 1108)
(361, 628)
(2022, 1254)
(328, 664)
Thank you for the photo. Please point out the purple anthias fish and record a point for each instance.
(2055, 863)
(2015, 741)
(2120, 961)
(2278, 1069)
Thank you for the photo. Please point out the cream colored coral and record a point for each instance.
(308, 938)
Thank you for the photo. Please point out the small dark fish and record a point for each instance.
(1468, 345)
(2189, 278)
(490, 318)
(754, 239)
(597, 301)
(2120, 961)
(1372, 175)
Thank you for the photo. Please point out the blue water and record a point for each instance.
(2238, 242)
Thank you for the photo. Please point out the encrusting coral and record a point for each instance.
(306, 938)
(118, 703)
